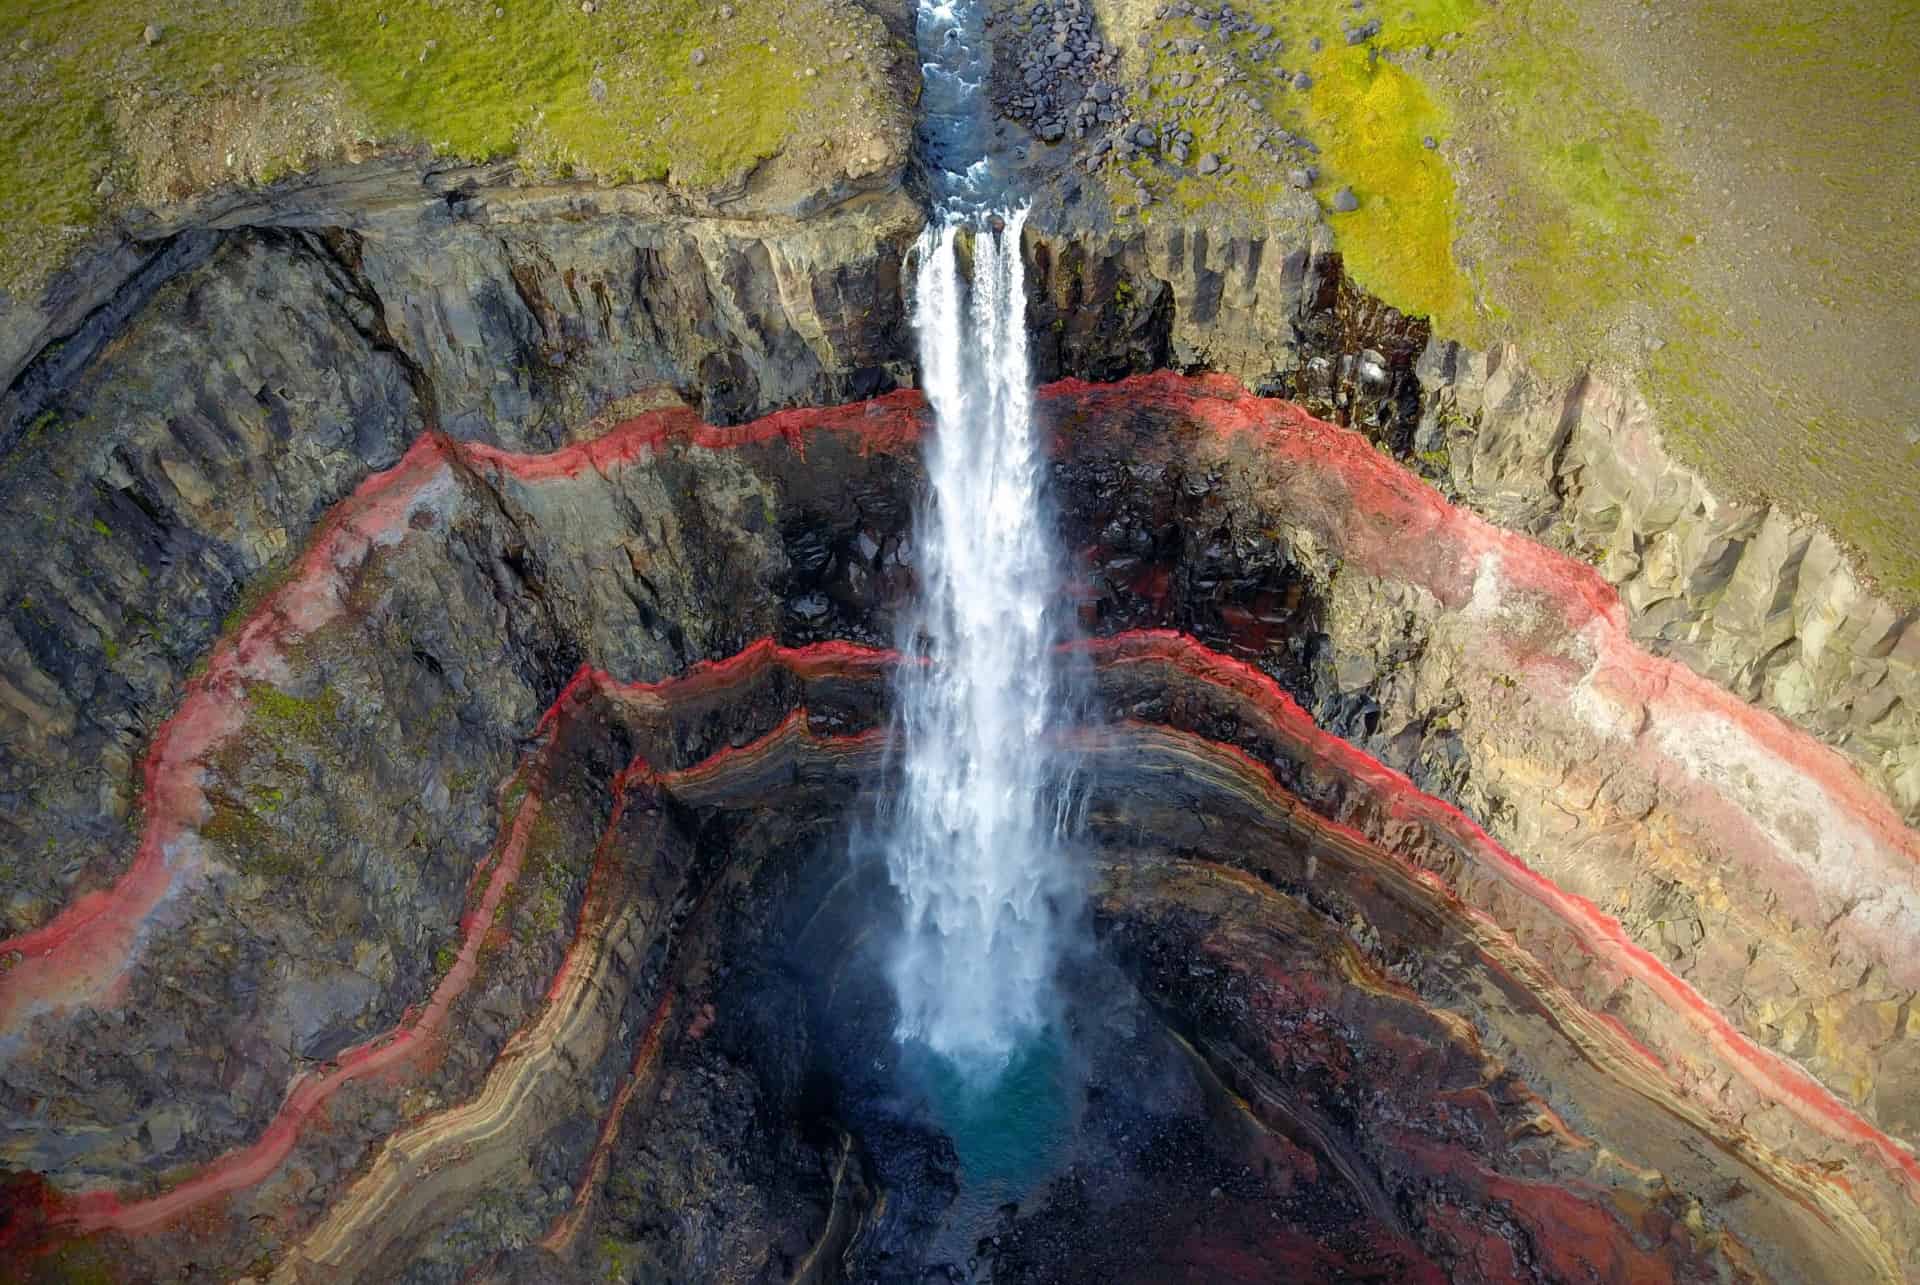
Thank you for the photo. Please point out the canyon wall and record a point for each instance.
(508, 315)
(339, 503)
(178, 446)
(450, 845)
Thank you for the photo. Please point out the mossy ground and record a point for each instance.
(261, 775)
(249, 90)
(1704, 198)
(1577, 172)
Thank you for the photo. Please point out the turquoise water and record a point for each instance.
(1009, 1127)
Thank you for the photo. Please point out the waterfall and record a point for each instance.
(973, 838)
(974, 842)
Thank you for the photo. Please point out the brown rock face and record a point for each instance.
(485, 908)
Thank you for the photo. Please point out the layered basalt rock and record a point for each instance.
(1758, 598)
(450, 852)
(362, 304)
(353, 311)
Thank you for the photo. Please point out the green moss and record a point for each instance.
(615, 95)
(28, 449)
(1584, 227)
(79, 1262)
(481, 86)
(72, 68)
(281, 716)
(612, 1255)
(249, 841)
(536, 904)
(1371, 118)
(40, 185)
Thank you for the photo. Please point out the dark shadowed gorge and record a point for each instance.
(448, 671)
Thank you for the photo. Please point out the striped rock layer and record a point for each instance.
(1497, 947)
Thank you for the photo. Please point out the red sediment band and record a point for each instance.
(1598, 933)
(794, 727)
(1391, 523)
(390, 1052)
(811, 661)
(884, 423)
(1774, 1076)
(79, 953)
(560, 1234)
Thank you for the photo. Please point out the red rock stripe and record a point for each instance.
(1395, 525)
(885, 422)
(1602, 936)
(395, 1050)
(392, 1051)
(77, 955)
(560, 1236)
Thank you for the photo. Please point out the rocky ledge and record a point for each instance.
(486, 888)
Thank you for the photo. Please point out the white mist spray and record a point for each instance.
(975, 844)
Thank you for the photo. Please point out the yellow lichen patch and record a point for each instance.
(1371, 119)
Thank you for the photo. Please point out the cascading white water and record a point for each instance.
(974, 842)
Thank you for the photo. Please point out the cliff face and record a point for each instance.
(376, 903)
(184, 441)
(446, 657)
(1757, 598)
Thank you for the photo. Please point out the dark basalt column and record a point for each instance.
(489, 888)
